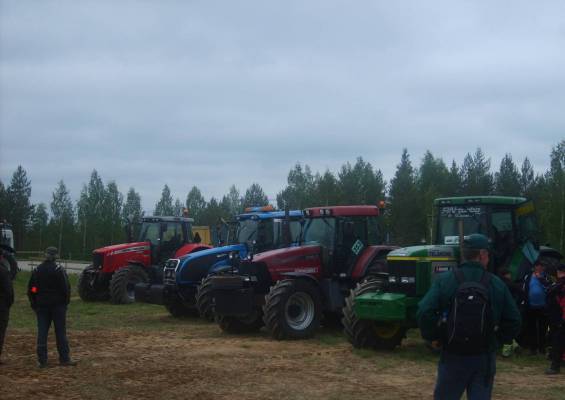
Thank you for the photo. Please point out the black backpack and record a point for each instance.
(470, 320)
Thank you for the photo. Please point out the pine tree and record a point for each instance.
(165, 205)
(507, 179)
(112, 214)
(477, 179)
(433, 181)
(196, 204)
(527, 179)
(39, 221)
(90, 213)
(63, 216)
(327, 191)
(19, 208)
(132, 212)
(232, 202)
(255, 196)
(405, 209)
(454, 186)
(300, 189)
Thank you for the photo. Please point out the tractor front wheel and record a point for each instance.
(177, 309)
(87, 290)
(367, 333)
(292, 309)
(204, 299)
(122, 284)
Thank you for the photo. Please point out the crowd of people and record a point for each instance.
(540, 297)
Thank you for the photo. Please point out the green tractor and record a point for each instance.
(378, 312)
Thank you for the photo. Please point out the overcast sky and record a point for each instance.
(214, 93)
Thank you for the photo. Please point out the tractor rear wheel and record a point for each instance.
(87, 290)
(122, 284)
(204, 299)
(293, 309)
(237, 325)
(365, 333)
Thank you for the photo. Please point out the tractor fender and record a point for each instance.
(219, 268)
(367, 258)
(301, 275)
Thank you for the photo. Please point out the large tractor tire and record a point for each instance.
(122, 284)
(293, 309)
(238, 325)
(204, 299)
(178, 309)
(12, 264)
(87, 289)
(369, 334)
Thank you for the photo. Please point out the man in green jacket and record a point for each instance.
(470, 371)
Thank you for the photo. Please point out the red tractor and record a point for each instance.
(288, 290)
(116, 269)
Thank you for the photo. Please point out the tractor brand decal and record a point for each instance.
(439, 253)
(460, 212)
(357, 247)
(441, 268)
(130, 250)
(308, 270)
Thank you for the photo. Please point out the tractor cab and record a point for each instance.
(165, 235)
(509, 222)
(6, 235)
(263, 228)
(342, 233)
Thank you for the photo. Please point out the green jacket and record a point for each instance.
(437, 301)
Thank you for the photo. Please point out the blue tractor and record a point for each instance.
(185, 289)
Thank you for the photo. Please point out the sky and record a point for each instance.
(215, 93)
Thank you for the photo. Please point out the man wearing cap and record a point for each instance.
(49, 293)
(459, 371)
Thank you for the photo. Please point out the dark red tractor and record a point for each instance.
(116, 269)
(290, 290)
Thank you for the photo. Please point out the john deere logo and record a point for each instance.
(357, 247)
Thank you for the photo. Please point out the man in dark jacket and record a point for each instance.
(6, 298)
(459, 371)
(49, 293)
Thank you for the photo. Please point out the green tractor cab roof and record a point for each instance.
(468, 200)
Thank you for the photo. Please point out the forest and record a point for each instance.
(99, 215)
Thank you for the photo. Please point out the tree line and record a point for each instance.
(99, 215)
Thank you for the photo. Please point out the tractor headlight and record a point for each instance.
(392, 279)
(407, 279)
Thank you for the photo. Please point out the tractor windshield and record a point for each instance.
(247, 230)
(473, 218)
(150, 232)
(320, 231)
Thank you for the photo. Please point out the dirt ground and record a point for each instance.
(202, 363)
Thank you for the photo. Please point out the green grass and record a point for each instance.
(97, 315)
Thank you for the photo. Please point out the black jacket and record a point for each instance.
(48, 286)
(6, 288)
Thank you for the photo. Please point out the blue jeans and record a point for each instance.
(457, 374)
(57, 315)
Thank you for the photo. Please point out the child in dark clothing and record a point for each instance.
(556, 311)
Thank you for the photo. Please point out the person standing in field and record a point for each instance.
(556, 310)
(49, 294)
(6, 298)
(467, 312)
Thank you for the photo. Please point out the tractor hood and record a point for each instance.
(194, 267)
(286, 255)
(122, 248)
(422, 252)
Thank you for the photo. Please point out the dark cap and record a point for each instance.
(476, 241)
(51, 251)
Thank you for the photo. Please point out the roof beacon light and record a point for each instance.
(382, 204)
(260, 209)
